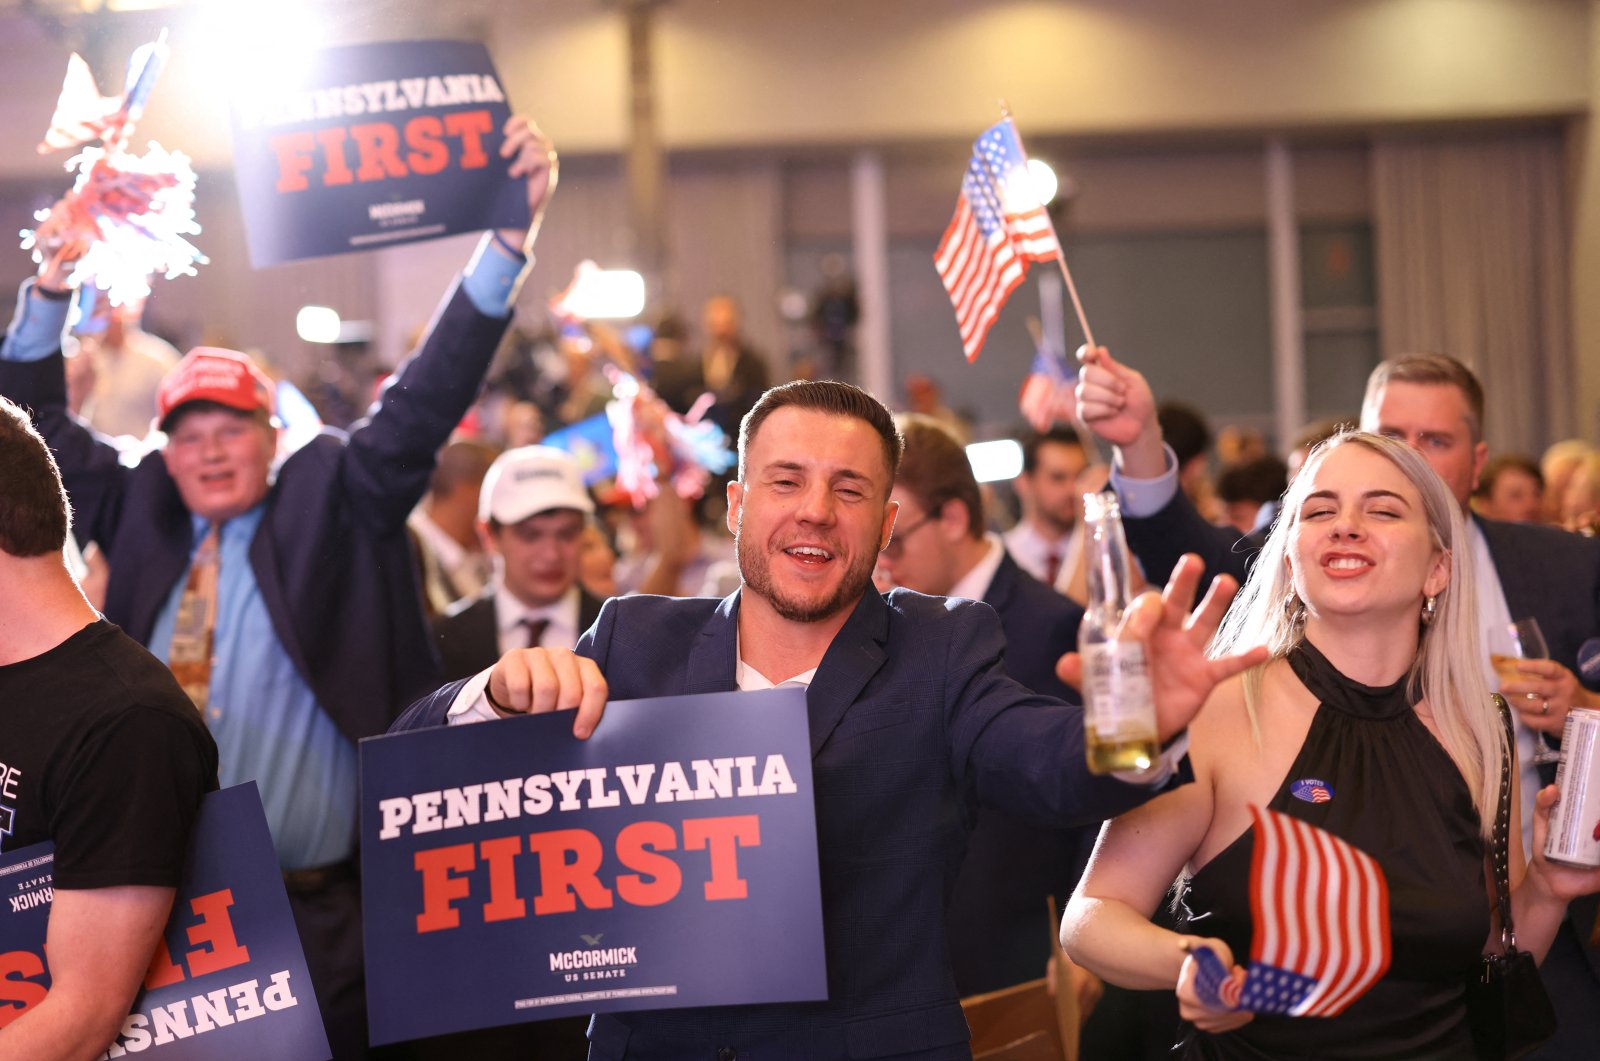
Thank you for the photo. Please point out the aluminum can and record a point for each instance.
(1575, 819)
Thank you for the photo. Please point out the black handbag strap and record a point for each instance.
(1502, 827)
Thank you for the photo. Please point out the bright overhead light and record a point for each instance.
(995, 461)
(317, 324)
(1043, 179)
(603, 294)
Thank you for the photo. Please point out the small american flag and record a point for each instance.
(1047, 394)
(998, 228)
(1321, 925)
(82, 114)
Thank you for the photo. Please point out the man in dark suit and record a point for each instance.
(913, 721)
(314, 635)
(532, 512)
(1435, 404)
(995, 921)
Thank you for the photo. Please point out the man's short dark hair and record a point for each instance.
(935, 469)
(824, 396)
(1034, 441)
(1261, 480)
(34, 510)
(1432, 370)
(1185, 430)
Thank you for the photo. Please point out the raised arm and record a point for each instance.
(32, 374)
(1116, 403)
(391, 454)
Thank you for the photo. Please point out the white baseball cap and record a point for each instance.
(529, 480)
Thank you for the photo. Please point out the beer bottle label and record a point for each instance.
(1116, 687)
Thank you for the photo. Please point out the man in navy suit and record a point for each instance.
(995, 923)
(913, 723)
(1435, 404)
(532, 511)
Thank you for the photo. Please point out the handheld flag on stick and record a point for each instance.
(1047, 393)
(999, 228)
(131, 212)
(1321, 932)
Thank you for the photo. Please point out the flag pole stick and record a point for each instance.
(1061, 258)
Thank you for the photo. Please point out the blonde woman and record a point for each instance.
(1370, 719)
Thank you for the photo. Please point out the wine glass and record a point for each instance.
(1519, 640)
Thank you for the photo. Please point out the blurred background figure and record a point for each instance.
(522, 424)
(1580, 502)
(1249, 491)
(444, 526)
(835, 310)
(597, 564)
(730, 368)
(1046, 541)
(1558, 464)
(1511, 488)
(1185, 429)
(127, 365)
(925, 397)
(1240, 445)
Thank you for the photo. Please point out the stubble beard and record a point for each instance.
(756, 571)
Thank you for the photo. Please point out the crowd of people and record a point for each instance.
(447, 553)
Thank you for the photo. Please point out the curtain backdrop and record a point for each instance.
(1472, 261)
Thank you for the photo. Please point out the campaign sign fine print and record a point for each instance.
(370, 145)
(511, 872)
(228, 978)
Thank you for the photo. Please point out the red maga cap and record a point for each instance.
(212, 374)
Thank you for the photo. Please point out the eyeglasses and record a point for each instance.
(897, 542)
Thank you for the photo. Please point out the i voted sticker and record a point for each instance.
(1311, 790)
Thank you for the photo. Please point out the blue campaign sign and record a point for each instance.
(228, 978)
(511, 872)
(369, 145)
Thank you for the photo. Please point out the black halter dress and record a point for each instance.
(1371, 773)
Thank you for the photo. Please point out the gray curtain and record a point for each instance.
(1472, 261)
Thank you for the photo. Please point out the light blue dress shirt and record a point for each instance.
(268, 725)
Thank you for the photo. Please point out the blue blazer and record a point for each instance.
(996, 922)
(913, 723)
(331, 557)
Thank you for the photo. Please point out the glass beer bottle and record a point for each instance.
(1118, 713)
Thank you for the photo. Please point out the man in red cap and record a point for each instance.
(283, 593)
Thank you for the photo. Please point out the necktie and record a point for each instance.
(192, 633)
(1052, 567)
(536, 629)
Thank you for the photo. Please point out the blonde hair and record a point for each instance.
(1447, 671)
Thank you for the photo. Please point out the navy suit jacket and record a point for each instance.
(468, 635)
(913, 722)
(331, 557)
(996, 923)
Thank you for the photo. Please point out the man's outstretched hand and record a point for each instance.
(1175, 635)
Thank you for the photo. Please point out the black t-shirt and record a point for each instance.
(102, 753)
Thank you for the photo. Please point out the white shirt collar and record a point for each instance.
(975, 583)
(750, 680)
(562, 615)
